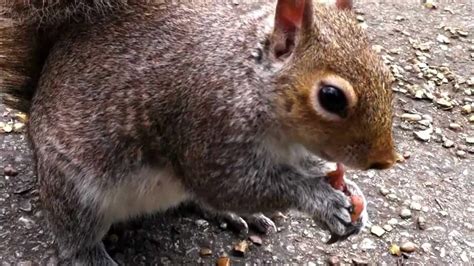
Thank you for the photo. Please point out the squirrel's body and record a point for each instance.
(218, 104)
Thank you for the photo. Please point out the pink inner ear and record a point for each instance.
(289, 13)
(344, 4)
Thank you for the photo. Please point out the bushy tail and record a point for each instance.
(25, 39)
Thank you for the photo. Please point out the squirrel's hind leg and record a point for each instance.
(78, 227)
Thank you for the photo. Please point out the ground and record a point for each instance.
(435, 182)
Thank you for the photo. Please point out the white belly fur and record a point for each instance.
(148, 191)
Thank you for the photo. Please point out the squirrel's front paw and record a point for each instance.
(334, 214)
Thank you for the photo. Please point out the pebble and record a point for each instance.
(359, 262)
(27, 222)
(367, 244)
(388, 228)
(392, 221)
(424, 135)
(445, 103)
(411, 117)
(443, 213)
(426, 247)
(377, 230)
(442, 39)
(470, 140)
(334, 261)
(223, 261)
(421, 223)
(204, 252)
(454, 126)
(442, 252)
(408, 247)
(464, 257)
(466, 109)
(202, 223)
(10, 171)
(471, 119)
(405, 213)
(448, 143)
(241, 248)
(415, 206)
(25, 206)
(256, 240)
(392, 196)
(384, 191)
(461, 153)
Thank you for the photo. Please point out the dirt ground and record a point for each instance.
(431, 52)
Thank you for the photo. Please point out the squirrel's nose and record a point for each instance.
(381, 159)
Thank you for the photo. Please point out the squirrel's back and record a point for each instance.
(27, 32)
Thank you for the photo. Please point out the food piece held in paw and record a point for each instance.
(357, 207)
(336, 180)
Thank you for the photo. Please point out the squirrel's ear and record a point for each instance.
(291, 17)
(344, 4)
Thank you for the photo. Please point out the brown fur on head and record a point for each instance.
(331, 49)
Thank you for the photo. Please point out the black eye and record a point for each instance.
(333, 100)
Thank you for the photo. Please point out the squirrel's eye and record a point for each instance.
(333, 100)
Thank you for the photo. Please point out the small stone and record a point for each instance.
(448, 143)
(463, 33)
(464, 257)
(461, 153)
(256, 240)
(25, 206)
(415, 206)
(399, 18)
(10, 171)
(377, 230)
(424, 135)
(223, 261)
(241, 248)
(388, 228)
(421, 223)
(367, 244)
(411, 117)
(407, 155)
(395, 250)
(426, 247)
(454, 126)
(204, 252)
(334, 261)
(384, 191)
(408, 247)
(444, 103)
(392, 221)
(471, 119)
(405, 213)
(442, 252)
(443, 39)
(202, 223)
(443, 213)
(466, 109)
(359, 262)
(392, 197)
(470, 140)
(27, 222)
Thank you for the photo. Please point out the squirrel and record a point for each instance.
(134, 109)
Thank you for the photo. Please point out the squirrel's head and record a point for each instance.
(334, 92)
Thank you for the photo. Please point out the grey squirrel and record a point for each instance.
(134, 108)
